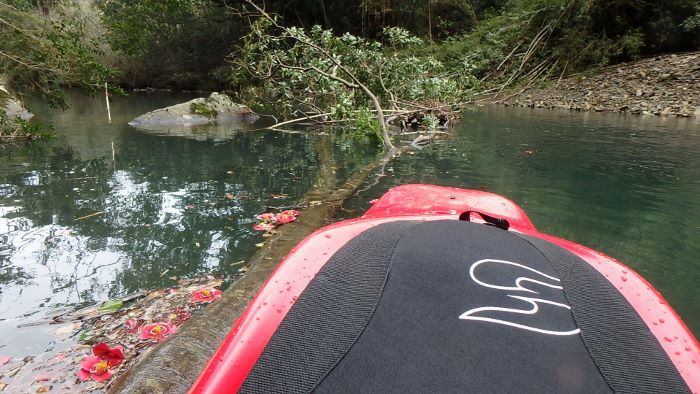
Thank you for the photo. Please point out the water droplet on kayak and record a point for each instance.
(289, 288)
(678, 353)
(294, 298)
(687, 349)
(257, 318)
(279, 311)
(264, 303)
(661, 302)
(662, 321)
(667, 339)
(624, 279)
(624, 271)
(327, 235)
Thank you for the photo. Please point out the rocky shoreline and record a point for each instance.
(663, 86)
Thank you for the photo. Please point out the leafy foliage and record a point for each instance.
(366, 129)
(44, 53)
(293, 64)
(20, 129)
(569, 35)
(692, 23)
(170, 43)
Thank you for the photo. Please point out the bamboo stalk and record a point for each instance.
(109, 113)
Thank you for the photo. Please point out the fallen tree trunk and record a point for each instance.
(174, 365)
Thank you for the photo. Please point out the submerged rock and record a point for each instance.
(218, 112)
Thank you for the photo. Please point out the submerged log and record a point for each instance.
(174, 365)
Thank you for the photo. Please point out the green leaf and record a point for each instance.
(85, 336)
(111, 306)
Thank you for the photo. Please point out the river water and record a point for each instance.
(104, 210)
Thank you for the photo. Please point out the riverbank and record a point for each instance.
(12, 113)
(663, 85)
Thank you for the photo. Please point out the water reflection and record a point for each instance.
(105, 210)
(78, 227)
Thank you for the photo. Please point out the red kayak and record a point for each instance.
(440, 289)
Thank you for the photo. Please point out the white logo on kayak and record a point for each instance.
(482, 313)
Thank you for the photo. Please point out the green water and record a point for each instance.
(169, 207)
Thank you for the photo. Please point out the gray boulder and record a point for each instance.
(218, 112)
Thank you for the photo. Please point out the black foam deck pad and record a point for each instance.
(451, 306)
(626, 352)
(328, 316)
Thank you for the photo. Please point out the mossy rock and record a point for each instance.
(218, 112)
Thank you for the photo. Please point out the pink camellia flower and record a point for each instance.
(206, 295)
(92, 367)
(113, 356)
(285, 218)
(267, 217)
(263, 227)
(157, 331)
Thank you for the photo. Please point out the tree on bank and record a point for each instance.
(43, 49)
(45, 52)
(345, 79)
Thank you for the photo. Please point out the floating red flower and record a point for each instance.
(268, 220)
(113, 356)
(157, 331)
(92, 367)
(285, 218)
(290, 212)
(263, 226)
(267, 217)
(206, 295)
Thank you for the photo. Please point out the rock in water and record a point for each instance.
(222, 116)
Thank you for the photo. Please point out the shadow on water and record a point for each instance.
(169, 207)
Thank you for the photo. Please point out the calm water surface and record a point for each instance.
(104, 210)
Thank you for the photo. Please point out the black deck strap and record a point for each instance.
(623, 348)
(329, 315)
(490, 220)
